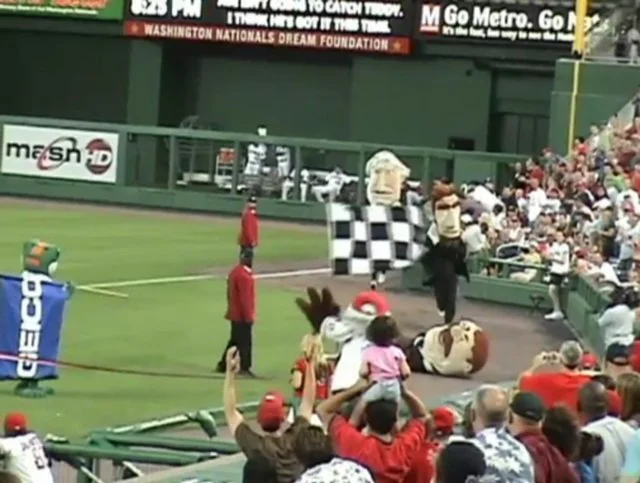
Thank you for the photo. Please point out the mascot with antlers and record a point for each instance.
(454, 350)
(445, 252)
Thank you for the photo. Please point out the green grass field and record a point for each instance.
(174, 327)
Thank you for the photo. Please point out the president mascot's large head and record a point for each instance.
(445, 204)
(455, 350)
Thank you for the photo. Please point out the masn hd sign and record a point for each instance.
(513, 23)
(59, 153)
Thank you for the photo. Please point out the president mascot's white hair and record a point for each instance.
(454, 350)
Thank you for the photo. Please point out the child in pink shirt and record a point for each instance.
(383, 362)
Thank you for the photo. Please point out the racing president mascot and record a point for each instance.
(32, 308)
(454, 350)
(345, 327)
(445, 253)
(386, 176)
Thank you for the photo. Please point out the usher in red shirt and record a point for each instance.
(249, 231)
(389, 462)
(241, 295)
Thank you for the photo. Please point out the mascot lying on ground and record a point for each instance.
(445, 252)
(455, 350)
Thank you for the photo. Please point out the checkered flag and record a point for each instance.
(368, 239)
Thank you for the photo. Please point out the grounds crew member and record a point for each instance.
(241, 312)
(249, 235)
(23, 452)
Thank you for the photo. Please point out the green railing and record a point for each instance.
(210, 162)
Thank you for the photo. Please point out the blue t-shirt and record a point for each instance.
(632, 457)
(586, 472)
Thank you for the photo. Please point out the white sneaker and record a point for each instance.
(554, 316)
(380, 278)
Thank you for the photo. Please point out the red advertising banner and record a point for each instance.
(353, 25)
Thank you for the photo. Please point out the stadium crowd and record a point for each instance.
(570, 418)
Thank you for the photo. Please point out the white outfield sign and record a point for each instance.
(59, 153)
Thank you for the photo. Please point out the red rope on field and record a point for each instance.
(113, 370)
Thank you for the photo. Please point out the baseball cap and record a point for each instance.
(571, 353)
(528, 405)
(444, 420)
(15, 422)
(272, 411)
(252, 199)
(617, 354)
(589, 361)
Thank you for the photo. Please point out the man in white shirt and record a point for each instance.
(536, 200)
(334, 182)
(289, 183)
(256, 154)
(593, 403)
(560, 257)
(483, 195)
(23, 452)
(472, 235)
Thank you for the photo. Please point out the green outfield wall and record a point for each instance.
(150, 165)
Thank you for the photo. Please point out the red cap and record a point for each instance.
(615, 404)
(444, 420)
(272, 411)
(589, 361)
(14, 422)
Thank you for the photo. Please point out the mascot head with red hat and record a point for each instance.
(345, 327)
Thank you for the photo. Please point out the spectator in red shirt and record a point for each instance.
(634, 355)
(552, 382)
(525, 420)
(443, 422)
(249, 235)
(389, 457)
(241, 313)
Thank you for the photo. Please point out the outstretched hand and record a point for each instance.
(233, 360)
(319, 306)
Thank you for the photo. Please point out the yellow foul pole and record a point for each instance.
(579, 44)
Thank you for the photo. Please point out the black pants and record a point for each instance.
(445, 288)
(242, 338)
(248, 251)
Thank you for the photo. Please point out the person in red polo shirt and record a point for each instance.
(390, 457)
(241, 313)
(249, 235)
(553, 382)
